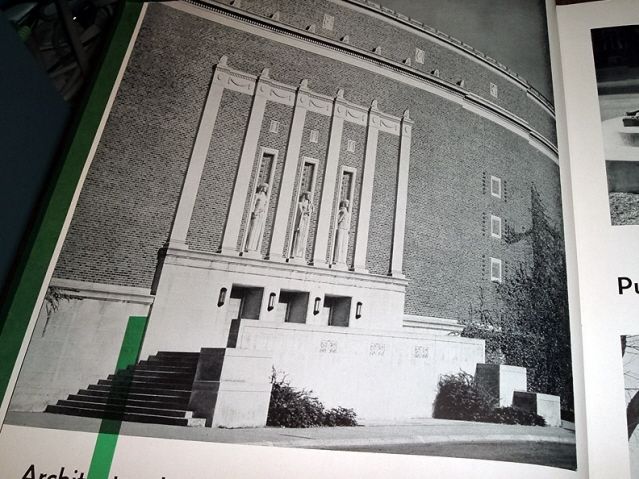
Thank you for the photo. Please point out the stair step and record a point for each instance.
(127, 391)
(175, 357)
(156, 366)
(141, 383)
(126, 408)
(133, 417)
(152, 401)
(178, 354)
(156, 378)
(191, 363)
(108, 393)
(155, 390)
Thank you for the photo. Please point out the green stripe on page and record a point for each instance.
(110, 429)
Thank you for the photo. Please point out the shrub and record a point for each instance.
(458, 397)
(291, 407)
(339, 416)
(511, 415)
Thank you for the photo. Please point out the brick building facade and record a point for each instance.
(434, 145)
(453, 152)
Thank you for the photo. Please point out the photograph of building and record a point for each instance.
(326, 189)
(617, 67)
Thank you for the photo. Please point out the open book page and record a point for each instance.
(311, 238)
(598, 57)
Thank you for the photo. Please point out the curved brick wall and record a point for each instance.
(141, 159)
(369, 27)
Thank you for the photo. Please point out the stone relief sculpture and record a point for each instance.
(343, 228)
(258, 218)
(302, 225)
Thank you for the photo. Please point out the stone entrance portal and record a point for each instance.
(291, 307)
(245, 302)
(336, 310)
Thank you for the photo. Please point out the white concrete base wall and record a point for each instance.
(382, 375)
(186, 315)
(78, 344)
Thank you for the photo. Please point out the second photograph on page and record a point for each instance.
(617, 66)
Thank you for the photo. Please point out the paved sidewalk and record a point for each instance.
(425, 431)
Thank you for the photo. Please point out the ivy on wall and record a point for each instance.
(530, 328)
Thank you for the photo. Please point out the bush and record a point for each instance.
(290, 407)
(339, 416)
(511, 415)
(458, 397)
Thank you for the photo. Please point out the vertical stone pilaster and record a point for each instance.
(279, 250)
(399, 227)
(190, 187)
(366, 197)
(247, 160)
(330, 176)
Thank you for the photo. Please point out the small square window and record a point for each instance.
(313, 136)
(495, 270)
(495, 226)
(493, 90)
(328, 22)
(419, 55)
(274, 127)
(351, 146)
(495, 186)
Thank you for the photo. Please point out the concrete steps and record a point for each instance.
(122, 416)
(161, 402)
(156, 390)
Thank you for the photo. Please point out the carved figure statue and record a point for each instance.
(343, 228)
(302, 225)
(258, 218)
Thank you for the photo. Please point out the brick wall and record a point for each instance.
(380, 240)
(125, 210)
(448, 243)
(142, 157)
(216, 186)
(369, 31)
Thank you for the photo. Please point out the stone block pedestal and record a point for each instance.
(500, 381)
(546, 405)
(232, 387)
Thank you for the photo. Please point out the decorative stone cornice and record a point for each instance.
(382, 121)
(233, 263)
(301, 95)
(233, 80)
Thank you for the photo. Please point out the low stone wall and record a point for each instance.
(187, 315)
(382, 375)
(76, 344)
